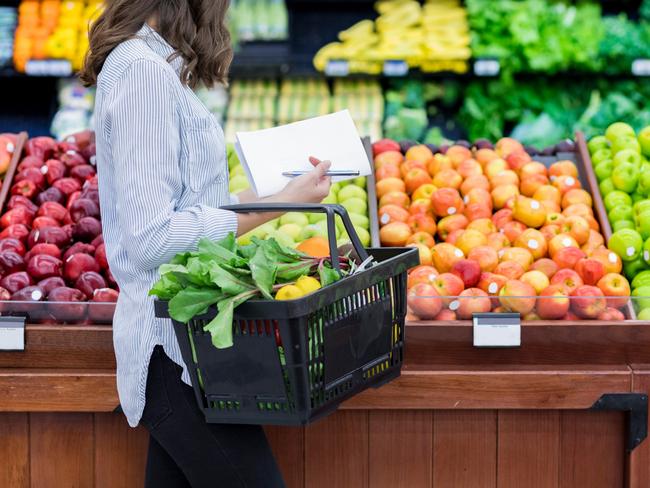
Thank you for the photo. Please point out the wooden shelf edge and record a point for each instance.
(496, 389)
(523, 388)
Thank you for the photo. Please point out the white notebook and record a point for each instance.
(266, 154)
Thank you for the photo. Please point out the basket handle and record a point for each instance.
(328, 209)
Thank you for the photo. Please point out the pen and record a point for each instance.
(293, 174)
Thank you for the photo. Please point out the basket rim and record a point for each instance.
(302, 306)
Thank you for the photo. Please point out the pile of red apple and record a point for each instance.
(496, 231)
(51, 245)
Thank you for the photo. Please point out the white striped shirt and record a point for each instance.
(163, 174)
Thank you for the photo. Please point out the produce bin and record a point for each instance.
(295, 361)
(83, 304)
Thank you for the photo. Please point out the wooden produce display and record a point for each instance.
(567, 408)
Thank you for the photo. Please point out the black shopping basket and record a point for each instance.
(295, 361)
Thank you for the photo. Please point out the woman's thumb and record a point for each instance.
(322, 169)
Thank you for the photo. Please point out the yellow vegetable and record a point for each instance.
(308, 284)
(289, 292)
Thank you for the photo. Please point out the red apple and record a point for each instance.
(20, 201)
(53, 210)
(471, 301)
(52, 194)
(49, 284)
(77, 264)
(448, 286)
(616, 288)
(16, 281)
(611, 315)
(41, 266)
(54, 170)
(590, 270)
(588, 302)
(568, 279)
(12, 244)
(467, 270)
(423, 300)
(553, 303)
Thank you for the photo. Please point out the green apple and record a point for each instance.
(644, 141)
(238, 184)
(616, 198)
(360, 221)
(356, 205)
(632, 268)
(606, 187)
(335, 188)
(282, 238)
(641, 297)
(313, 230)
(643, 224)
(637, 197)
(292, 230)
(330, 199)
(646, 251)
(351, 191)
(601, 155)
(626, 143)
(360, 181)
(623, 224)
(237, 170)
(316, 217)
(263, 230)
(644, 183)
(297, 218)
(618, 129)
(364, 236)
(627, 243)
(596, 143)
(627, 156)
(322, 226)
(345, 183)
(626, 177)
(641, 279)
(604, 169)
(275, 222)
(342, 241)
(621, 212)
(641, 207)
(644, 314)
(340, 226)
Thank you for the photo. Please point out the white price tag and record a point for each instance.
(12, 333)
(337, 67)
(396, 67)
(49, 67)
(641, 67)
(497, 330)
(487, 67)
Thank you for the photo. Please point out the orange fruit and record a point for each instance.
(316, 247)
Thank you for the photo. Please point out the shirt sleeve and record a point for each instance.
(146, 150)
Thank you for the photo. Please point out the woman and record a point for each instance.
(163, 175)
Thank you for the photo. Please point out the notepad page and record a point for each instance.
(266, 154)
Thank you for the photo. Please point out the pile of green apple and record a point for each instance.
(620, 161)
(294, 227)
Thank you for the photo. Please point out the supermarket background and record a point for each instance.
(425, 73)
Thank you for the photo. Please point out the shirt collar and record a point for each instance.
(160, 46)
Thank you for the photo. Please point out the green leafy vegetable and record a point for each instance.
(226, 275)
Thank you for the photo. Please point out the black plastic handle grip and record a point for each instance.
(330, 210)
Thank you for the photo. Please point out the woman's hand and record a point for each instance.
(310, 188)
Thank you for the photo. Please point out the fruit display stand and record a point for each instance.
(566, 408)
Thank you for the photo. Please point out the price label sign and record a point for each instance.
(49, 67)
(641, 67)
(12, 333)
(497, 329)
(487, 67)
(337, 67)
(396, 67)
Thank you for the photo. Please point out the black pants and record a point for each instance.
(185, 451)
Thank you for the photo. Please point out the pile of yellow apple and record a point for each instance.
(496, 231)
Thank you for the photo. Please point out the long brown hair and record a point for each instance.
(194, 28)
